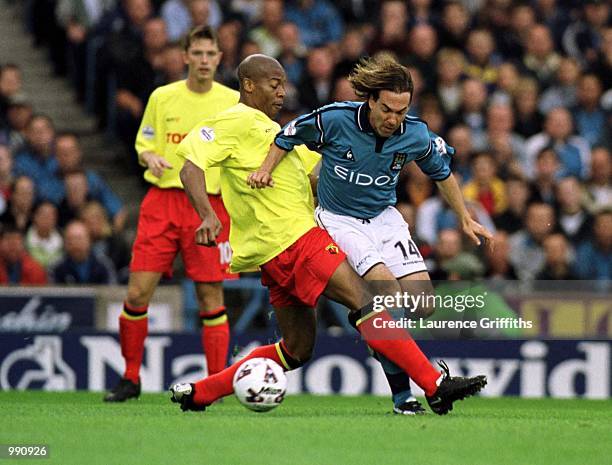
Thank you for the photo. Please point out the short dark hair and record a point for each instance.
(200, 32)
(371, 75)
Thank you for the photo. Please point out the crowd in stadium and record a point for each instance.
(521, 90)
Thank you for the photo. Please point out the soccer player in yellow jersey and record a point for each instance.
(274, 229)
(167, 220)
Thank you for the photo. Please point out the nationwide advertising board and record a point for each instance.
(340, 365)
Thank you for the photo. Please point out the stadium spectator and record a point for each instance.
(172, 65)
(517, 195)
(69, 157)
(508, 78)
(343, 90)
(19, 114)
(594, 257)
(352, 48)
(460, 137)
(138, 77)
(528, 118)
(21, 204)
(512, 38)
(43, 241)
(554, 14)
(454, 25)
(37, 159)
(507, 146)
(80, 265)
(450, 64)
(293, 52)
(573, 151)
(316, 85)
(6, 176)
(581, 39)
(318, 21)
(546, 175)
(558, 259)
(10, 86)
(602, 66)
(178, 15)
(600, 184)
(266, 34)
(229, 43)
(105, 241)
(526, 252)
(77, 195)
(540, 58)
(482, 60)
(78, 20)
(485, 187)
(473, 106)
(590, 119)
(16, 266)
(562, 93)
(423, 40)
(573, 220)
(498, 265)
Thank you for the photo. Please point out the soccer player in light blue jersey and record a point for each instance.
(364, 146)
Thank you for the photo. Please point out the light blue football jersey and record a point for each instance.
(360, 169)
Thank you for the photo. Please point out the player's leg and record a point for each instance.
(298, 329)
(154, 250)
(404, 403)
(346, 287)
(208, 267)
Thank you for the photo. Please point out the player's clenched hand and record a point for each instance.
(260, 179)
(208, 231)
(155, 163)
(474, 229)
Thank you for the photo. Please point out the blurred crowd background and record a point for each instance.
(521, 89)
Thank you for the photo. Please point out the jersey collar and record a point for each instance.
(363, 121)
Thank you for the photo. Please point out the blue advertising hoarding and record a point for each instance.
(340, 365)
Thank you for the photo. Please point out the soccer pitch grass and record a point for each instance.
(80, 429)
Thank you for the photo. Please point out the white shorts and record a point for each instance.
(383, 239)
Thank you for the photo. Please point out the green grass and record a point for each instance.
(80, 429)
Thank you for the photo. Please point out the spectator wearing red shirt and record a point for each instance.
(16, 266)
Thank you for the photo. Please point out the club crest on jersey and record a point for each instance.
(290, 130)
(399, 159)
(148, 132)
(207, 134)
(349, 155)
(332, 249)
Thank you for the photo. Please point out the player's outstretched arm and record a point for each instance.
(452, 194)
(263, 176)
(194, 182)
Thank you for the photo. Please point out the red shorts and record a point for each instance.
(298, 276)
(167, 225)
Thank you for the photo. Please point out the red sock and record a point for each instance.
(215, 339)
(216, 386)
(398, 346)
(133, 328)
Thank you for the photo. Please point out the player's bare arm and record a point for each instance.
(452, 194)
(154, 162)
(263, 176)
(194, 182)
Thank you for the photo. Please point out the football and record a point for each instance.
(260, 384)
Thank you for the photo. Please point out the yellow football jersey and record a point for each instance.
(264, 222)
(171, 112)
